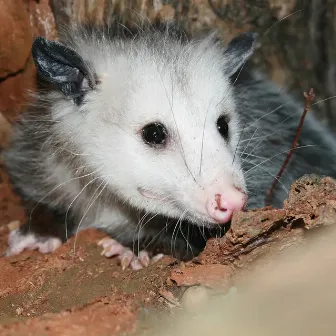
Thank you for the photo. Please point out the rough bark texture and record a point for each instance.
(298, 53)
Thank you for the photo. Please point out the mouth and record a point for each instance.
(197, 218)
(150, 194)
(201, 220)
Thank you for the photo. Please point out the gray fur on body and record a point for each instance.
(46, 167)
(271, 119)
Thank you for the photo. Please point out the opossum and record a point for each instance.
(154, 137)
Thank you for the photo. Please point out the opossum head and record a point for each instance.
(154, 116)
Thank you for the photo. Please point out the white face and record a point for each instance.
(153, 133)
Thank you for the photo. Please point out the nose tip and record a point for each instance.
(221, 206)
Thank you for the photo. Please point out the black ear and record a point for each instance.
(238, 51)
(62, 66)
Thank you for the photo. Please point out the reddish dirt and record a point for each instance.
(66, 292)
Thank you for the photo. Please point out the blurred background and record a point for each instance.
(297, 49)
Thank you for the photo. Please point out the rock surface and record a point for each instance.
(21, 21)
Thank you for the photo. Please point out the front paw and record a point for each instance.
(18, 242)
(111, 248)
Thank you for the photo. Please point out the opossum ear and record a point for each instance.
(62, 66)
(238, 51)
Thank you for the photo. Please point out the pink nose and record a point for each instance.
(221, 207)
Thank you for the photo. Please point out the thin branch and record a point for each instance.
(309, 97)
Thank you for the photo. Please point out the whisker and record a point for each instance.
(66, 214)
(52, 190)
(141, 227)
(241, 133)
(205, 119)
(138, 231)
(172, 238)
(268, 135)
(122, 25)
(249, 142)
(300, 10)
(323, 100)
(276, 156)
(284, 18)
(141, 224)
(187, 241)
(178, 133)
(268, 113)
(178, 226)
(141, 17)
(86, 211)
(165, 228)
(268, 173)
(255, 156)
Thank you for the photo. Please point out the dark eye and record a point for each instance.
(223, 127)
(154, 134)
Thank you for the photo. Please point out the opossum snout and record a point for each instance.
(221, 206)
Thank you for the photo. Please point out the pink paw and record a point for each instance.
(18, 242)
(127, 258)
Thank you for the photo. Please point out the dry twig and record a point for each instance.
(309, 97)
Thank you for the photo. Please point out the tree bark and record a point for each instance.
(298, 40)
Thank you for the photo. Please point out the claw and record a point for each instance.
(136, 264)
(127, 258)
(144, 258)
(156, 258)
